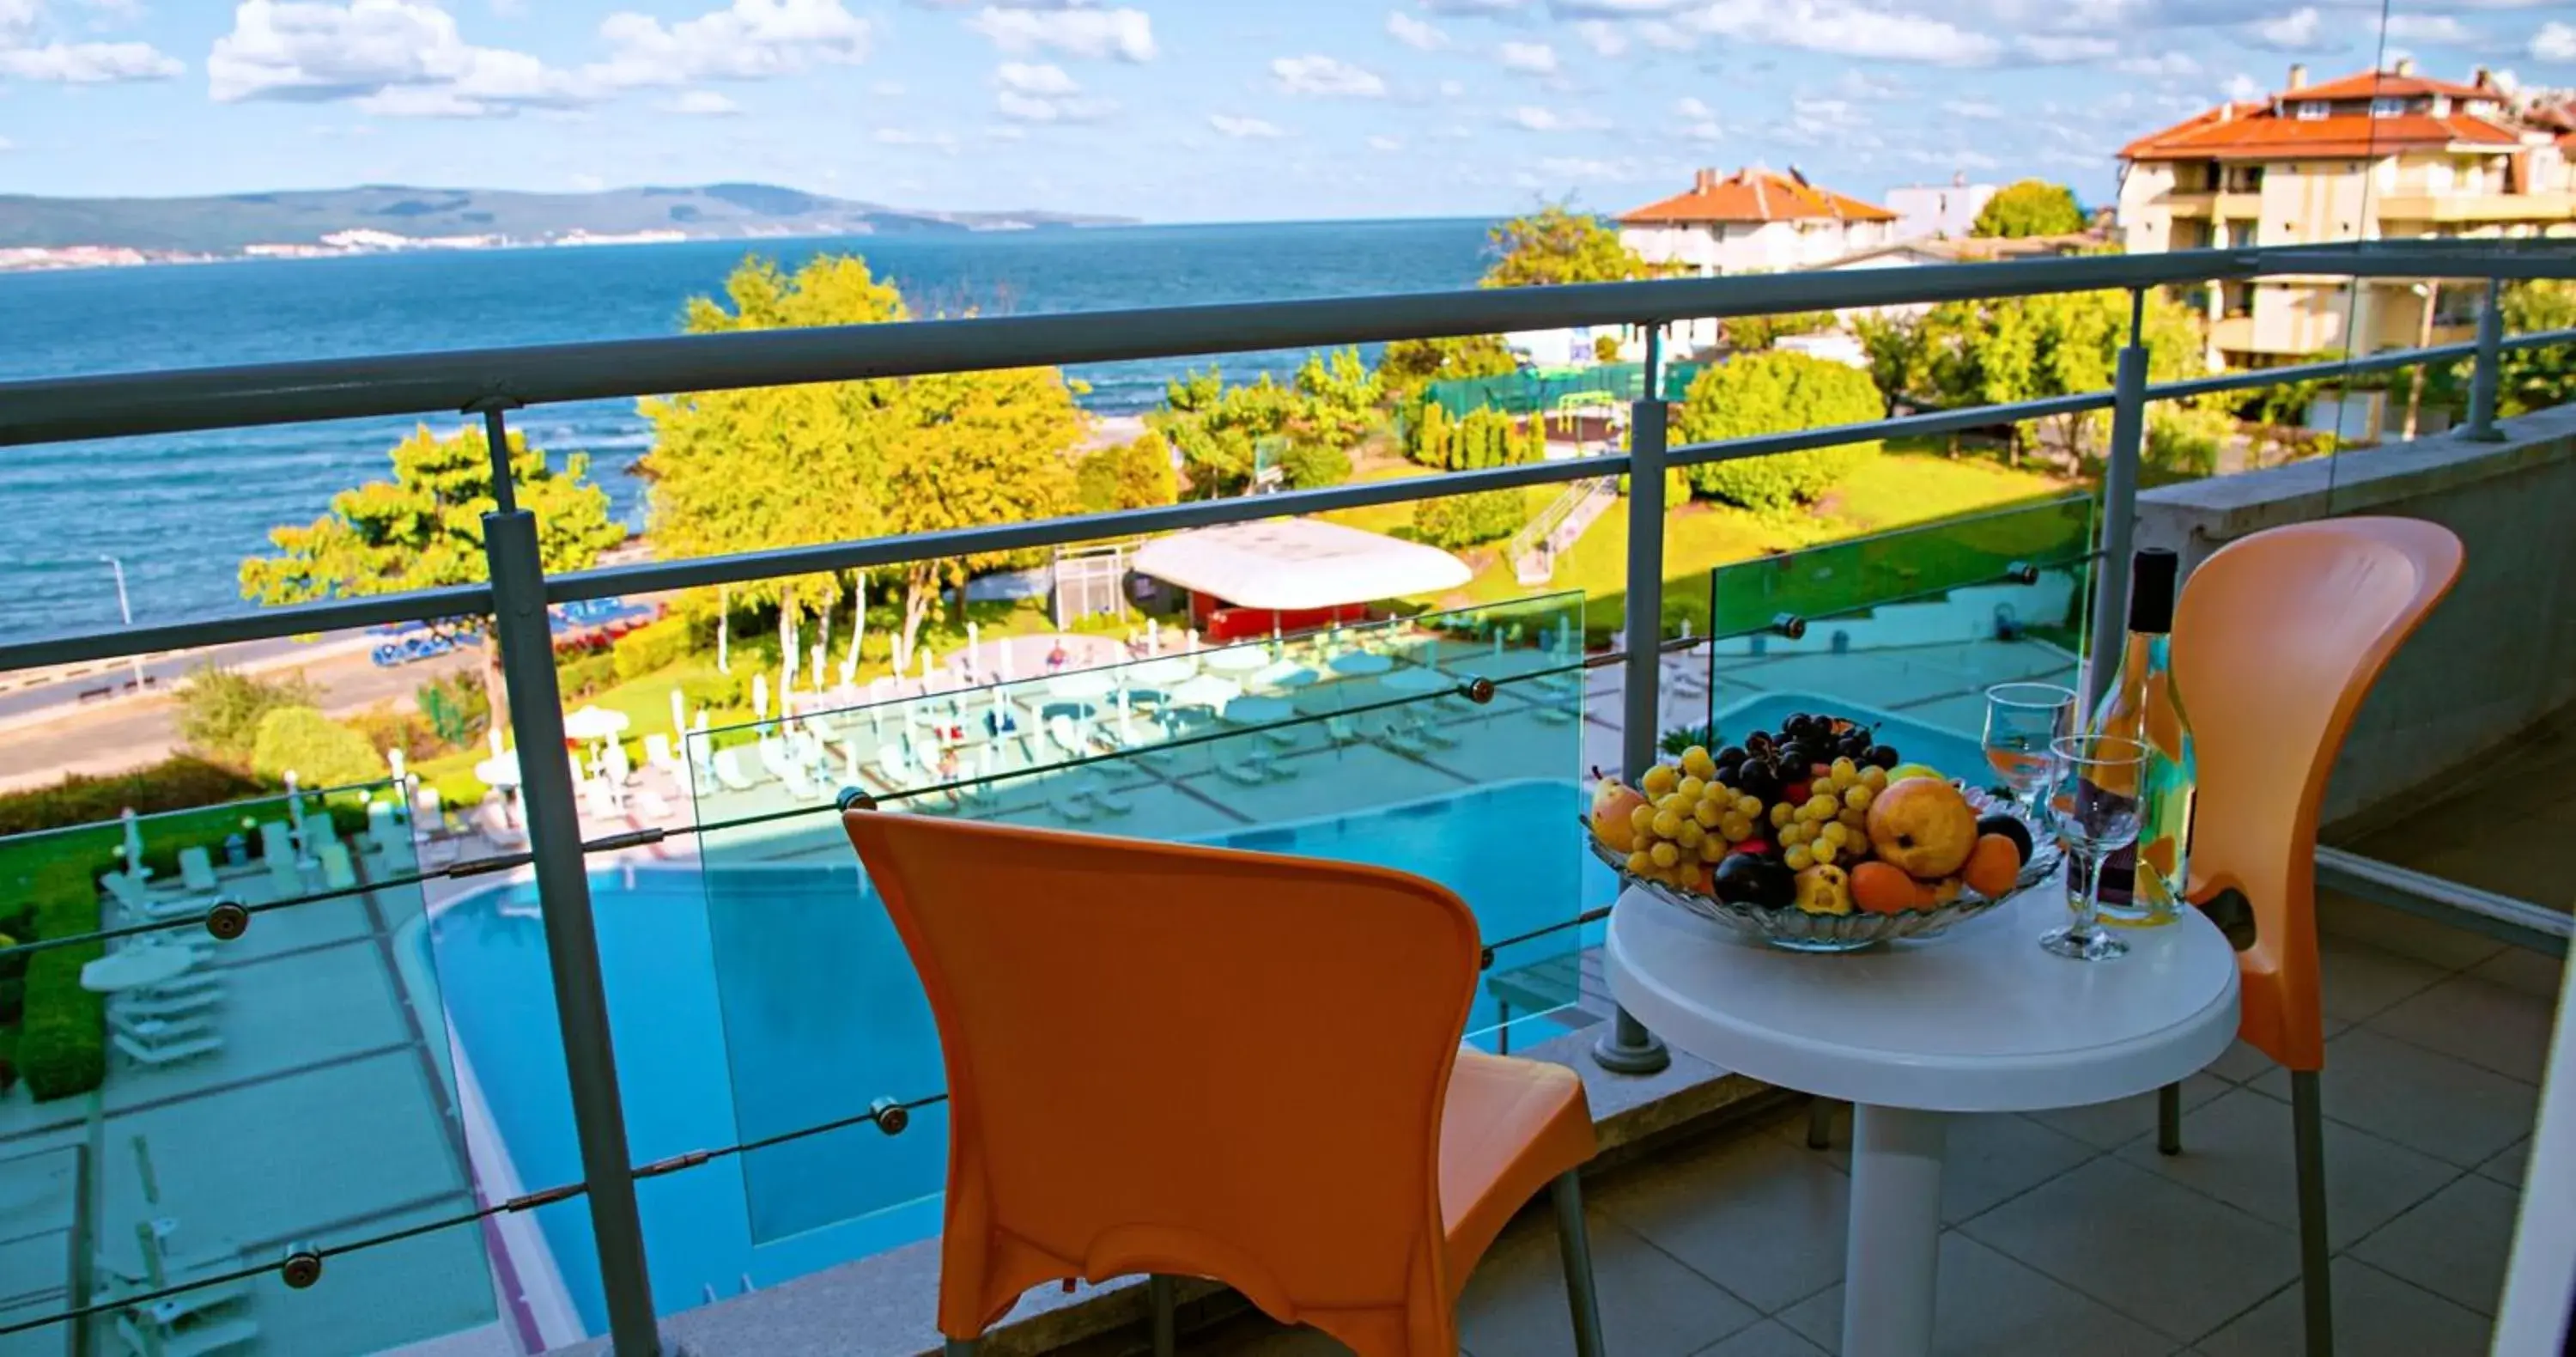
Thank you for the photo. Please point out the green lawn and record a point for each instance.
(1889, 492)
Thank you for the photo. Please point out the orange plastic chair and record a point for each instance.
(1179, 1060)
(2277, 639)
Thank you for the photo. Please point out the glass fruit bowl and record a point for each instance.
(1799, 931)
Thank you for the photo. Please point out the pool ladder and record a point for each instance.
(708, 1289)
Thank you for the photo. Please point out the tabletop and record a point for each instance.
(1977, 1020)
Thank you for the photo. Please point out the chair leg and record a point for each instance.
(1820, 1124)
(2169, 1119)
(2307, 1130)
(1577, 1244)
(1165, 1297)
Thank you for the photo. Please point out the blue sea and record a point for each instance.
(182, 511)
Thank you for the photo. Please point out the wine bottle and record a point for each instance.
(2144, 884)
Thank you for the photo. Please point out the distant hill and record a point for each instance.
(231, 222)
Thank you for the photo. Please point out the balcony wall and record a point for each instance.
(2497, 656)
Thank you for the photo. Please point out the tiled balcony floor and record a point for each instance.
(2067, 1231)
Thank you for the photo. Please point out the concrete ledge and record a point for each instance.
(884, 1306)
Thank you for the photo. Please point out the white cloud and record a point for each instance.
(1246, 129)
(905, 136)
(1127, 34)
(1703, 131)
(2059, 48)
(1855, 83)
(586, 183)
(1415, 33)
(2301, 30)
(2168, 65)
(1386, 145)
(1320, 75)
(1536, 118)
(703, 104)
(1472, 6)
(1453, 89)
(1043, 93)
(1971, 108)
(2436, 28)
(747, 40)
(1690, 107)
(1605, 39)
(1951, 160)
(2244, 88)
(88, 63)
(1529, 58)
(1844, 28)
(2554, 42)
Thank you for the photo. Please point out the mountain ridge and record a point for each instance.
(225, 224)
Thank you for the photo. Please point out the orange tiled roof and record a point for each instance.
(2370, 84)
(1751, 195)
(2263, 136)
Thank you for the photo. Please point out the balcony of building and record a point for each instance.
(631, 1054)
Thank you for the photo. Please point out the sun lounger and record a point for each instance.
(1284, 737)
(1245, 771)
(1341, 728)
(1434, 736)
(205, 1338)
(1061, 731)
(163, 1006)
(197, 869)
(319, 828)
(337, 873)
(160, 1031)
(1554, 716)
(1075, 807)
(277, 849)
(1111, 802)
(131, 897)
(727, 766)
(1403, 741)
(1276, 770)
(170, 1053)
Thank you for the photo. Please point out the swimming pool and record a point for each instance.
(749, 999)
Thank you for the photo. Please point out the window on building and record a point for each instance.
(2312, 110)
(2387, 106)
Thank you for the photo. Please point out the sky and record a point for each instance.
(1168, 110)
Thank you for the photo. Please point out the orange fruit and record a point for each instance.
(1882, 889)
(1993, 865)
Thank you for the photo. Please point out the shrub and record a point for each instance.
(1312, 466)
(220, 709)
(1454, 521)
(320, 751)
(62, 1039)
(719, 691)
(384, 728)
(1775, 392)
(585, 676)
(181, 783)
(456, 707)
(1605, 348)
(652, 647)
(1136, 474)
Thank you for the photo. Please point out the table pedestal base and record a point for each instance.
(1890, 1261)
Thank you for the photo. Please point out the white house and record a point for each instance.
(1938, 209)
(1752, 221)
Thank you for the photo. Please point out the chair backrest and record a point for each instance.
(1170, 1058)
(2277, 638)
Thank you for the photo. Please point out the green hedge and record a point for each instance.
(318, 750)
(586, 676)
(1312, 466)
(1777, 391)
(652, 647)
(1454, 521)
(62, 1038)
(181, 783)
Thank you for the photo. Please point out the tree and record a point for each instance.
(2002, 350)
(1136, 474)
(1559, 245)
(219, 709)
(802, 465)
(2032, 207)
(1406, 366)
(424, 530)
(1900, 362)
(1775, 392)
(2535, 379)
(1762, 332)
(320, 752)
(1328, 408)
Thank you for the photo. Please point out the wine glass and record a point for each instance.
(2096, 814)
(2022, 721)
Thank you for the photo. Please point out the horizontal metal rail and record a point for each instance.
(2445, 901)
(1903, 426)
(2339, 369)
(121, 404)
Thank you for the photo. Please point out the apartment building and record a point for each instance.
(2377, 155)
(1755, 220)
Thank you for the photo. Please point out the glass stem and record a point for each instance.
(2086, 903)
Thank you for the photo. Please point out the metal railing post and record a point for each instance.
(2119, 507)
(1628, 1047)
(563, 889)
(2489, 370)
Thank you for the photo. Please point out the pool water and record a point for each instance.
(753, 998)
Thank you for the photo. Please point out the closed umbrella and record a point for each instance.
(760, 697)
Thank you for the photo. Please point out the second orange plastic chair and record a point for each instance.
(2276, 641)
(1179, 1060)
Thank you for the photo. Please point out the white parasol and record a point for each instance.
(1082, 684)
(1206, 690)
(1255, 711)
(136, 967)
(1162, 673)
(1237, 660)
(1284, 674)
(1360, 663)
(595, 723)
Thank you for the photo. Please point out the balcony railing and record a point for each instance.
(1496, 692)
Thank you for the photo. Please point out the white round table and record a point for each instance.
(1980, 1020)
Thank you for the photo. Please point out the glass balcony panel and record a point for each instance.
(1354, 743)
(1906, 628)
(289, 1086)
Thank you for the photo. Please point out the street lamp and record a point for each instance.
(125, 610)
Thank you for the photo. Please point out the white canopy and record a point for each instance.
(1294, 564)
